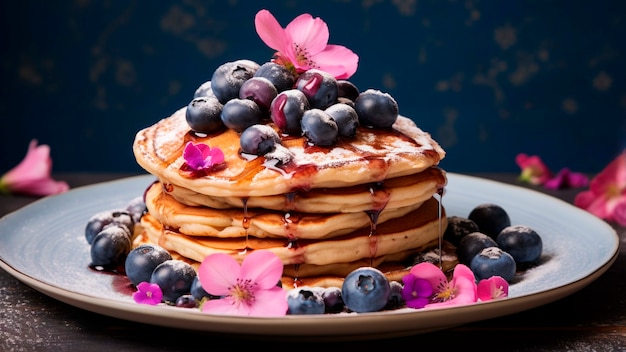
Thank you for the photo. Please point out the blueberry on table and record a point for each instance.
(490, 218)
(110, 247)
(142, 260)
(203, 115)
(365, 289)
(472, 244)
(287, 109)
(319, 87)
(493, 261)
(522, 242)
(174, 277)
(319, 128)
(305, 300)
(376, 109)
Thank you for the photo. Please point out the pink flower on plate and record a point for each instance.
(460, 290)
(606, 197)
(32, 175)
(201, 157)
(303, 45)
(148, 293)
(249, 290)
(534, 171)
(492, 288)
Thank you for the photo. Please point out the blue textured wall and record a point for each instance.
(488, 79)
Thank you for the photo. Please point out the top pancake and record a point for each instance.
(371, 156)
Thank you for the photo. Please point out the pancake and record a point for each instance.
(372, 155)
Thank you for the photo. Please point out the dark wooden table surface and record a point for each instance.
(592, 319)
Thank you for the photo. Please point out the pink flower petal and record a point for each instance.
(492, 288)
(262, 267)
(270, 31)
(429, 272)
(308, 32)
(217, 273)
(534, 171)
(274, 303)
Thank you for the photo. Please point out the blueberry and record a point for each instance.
(305, 300)
(490, 218)
(319, 128)
(347, 89)
(395, 295)
(287, 109)
(228, 78)
(260, 90)
(136, 207)
(239, 114)
(459, 227)
(280, 76)
(204, 90)
(365, 289)
(493, 261)
(174, 277)
(319, 87)
(346, 118)
(142, 260)
(203, 115)
(376, 109)
(471, 244)
(110, 247)
(522, 242)
(258, 139)
(186, 301)
(198, 292)
(333, 302)
(99, 221)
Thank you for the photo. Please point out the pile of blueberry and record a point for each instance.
(489, 245)
(244, 96)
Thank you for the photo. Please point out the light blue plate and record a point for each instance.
(43, 245)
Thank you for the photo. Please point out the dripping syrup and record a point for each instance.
(440, 192)
(245, 223)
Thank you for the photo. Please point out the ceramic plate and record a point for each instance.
(43, 245)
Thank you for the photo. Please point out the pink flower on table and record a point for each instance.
(200, 156)
(606, 197)
(534, 171)
(492, 288)
(303, 45)
(250, 289)
(567, 179)
(439, 292)
(32, 175)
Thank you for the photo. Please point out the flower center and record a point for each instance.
(242, 291)
(446, 292)
(612, 191)
(303, 57)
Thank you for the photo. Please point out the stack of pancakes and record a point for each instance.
(368, 200)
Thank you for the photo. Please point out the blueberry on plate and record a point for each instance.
(110, 247)
(228, 78)
(203, 115)
(365, 289)
(459, 227)
(472, 244)
(142, 260)
(493, 261)
(522, 242)
(99, 221)
(319, 128)
(490, 218)
(174, 277)
(258, 139)
(319, 87)
(305, 300)
(287, 109)
(376, 109)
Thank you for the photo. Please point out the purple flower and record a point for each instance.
(32, 175)
(148, 293)
(201, 157)
(458, 291)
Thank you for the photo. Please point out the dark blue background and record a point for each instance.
(488, 79)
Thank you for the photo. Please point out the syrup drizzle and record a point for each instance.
(440, 192)
(245, 223)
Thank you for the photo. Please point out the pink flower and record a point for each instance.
(534, 171)
(250, 289)
(460, 290)
(303, 45)
(200, 156)
(567, 179)
(148, 293)
(32, 175)
(492, 288)
(606, 197)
